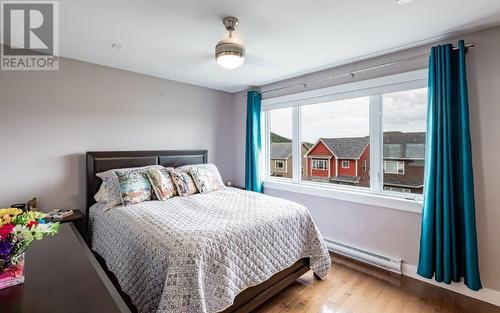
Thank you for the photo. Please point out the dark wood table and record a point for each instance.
(62, 275)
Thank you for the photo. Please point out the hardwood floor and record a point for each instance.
(353, 288)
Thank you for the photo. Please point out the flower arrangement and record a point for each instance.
(18, 230)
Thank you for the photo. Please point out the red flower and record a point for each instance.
(31, 224)
(5, 230)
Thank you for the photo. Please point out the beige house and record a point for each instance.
(281, 163)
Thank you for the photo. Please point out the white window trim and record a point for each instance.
(398, 163)
(375, 195)
(348, 164)
(341, 192)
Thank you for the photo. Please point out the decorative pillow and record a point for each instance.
(210, 167)
(134, 186)
(162, 183)
(183, 182)
(204, 179)
(110, 194)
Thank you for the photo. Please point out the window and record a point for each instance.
(319, 164)
(394, 167)
(404, 124)
(368, 136)
(280, 164)
(280, 148)
(392, 150)
(415, 151)
(336, 129)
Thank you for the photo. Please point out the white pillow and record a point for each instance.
(102, 194)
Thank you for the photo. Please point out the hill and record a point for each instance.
(277, 138)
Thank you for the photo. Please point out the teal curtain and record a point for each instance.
(448, 244)
(253, 181)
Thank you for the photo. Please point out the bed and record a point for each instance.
(225, 251)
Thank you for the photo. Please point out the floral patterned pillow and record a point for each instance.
(162, 183)
(134, 186)
(210, 167)
(109, 192)
(183, 182)
(204, 179)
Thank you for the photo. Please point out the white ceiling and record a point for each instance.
(283, 38)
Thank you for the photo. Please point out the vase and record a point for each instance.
(13, 273)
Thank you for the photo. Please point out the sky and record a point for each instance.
(402, 111)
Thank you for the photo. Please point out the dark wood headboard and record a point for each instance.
(101, 161)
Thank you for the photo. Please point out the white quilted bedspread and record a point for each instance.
(196, 253)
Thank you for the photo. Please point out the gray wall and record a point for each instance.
(48, 120)
(393, 232)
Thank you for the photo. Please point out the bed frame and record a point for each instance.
(97, 162)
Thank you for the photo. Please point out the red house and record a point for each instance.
(347, 161)
(339, 160)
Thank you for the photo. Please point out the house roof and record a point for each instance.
(399, 145)
(281, 150)
(347, 148)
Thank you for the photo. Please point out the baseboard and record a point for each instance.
(396, 265)
(487, 295)
(375, 259)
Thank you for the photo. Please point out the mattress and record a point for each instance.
(196, 253)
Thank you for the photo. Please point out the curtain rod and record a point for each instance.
(352, 73)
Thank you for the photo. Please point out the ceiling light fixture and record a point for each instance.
(229, 53)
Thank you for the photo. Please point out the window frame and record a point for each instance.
(279, 167)
(324, 162)
(348, 164)
(372, 88)
(397, 167)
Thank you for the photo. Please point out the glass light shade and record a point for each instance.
(230, 61)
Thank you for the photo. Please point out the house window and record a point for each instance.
(279, 164)
(394, 167)
(319, 164)
(380, 122)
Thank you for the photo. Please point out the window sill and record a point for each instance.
(346, 194)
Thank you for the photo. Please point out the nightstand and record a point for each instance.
(77, 218)
(238, 187)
